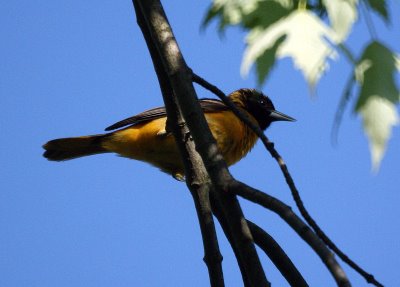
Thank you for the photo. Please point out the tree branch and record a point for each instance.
(289, 180)
(179, 78)
(197, 179)
(277, 256)
(295, 222)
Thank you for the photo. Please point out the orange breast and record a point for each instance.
(234, 138)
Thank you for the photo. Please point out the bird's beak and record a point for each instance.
(278, 116)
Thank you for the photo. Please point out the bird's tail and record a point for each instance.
(70, 148)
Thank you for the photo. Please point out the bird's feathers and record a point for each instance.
(70, 148)
(207, 105)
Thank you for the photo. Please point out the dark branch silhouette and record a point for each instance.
(178, 76)
(289, 180)
(199, 191)
(268, 244)
(297, 224)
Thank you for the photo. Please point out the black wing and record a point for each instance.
(208, 106)
(140, 118)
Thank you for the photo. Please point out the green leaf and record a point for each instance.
(379, 116)
(249, 13)
(229, 12)
(266, 13)
(378, 97)
(379, 6)
(266, 61)
(306, 43)
(375, 72)
(212, 13)
(342, 14)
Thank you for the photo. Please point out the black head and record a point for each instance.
(261, 108)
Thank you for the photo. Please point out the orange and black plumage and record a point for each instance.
(144, 137)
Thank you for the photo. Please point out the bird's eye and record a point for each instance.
(262, 102)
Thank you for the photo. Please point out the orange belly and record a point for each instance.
(148, 142)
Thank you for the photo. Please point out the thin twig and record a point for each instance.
(212, 256)
(347, 53)
(368, 21)
(340, 109)
(277, 255)
(297, 224)
(217, 211)
(289, 180)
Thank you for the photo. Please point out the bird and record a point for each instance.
(145, 137)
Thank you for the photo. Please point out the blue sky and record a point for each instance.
(72, 68)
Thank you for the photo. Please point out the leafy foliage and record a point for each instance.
(305, 43)
(380, 7)
(375, 72)
(299, 30)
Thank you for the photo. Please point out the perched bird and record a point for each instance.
(144, 137)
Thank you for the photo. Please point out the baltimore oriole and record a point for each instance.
(146, 138)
